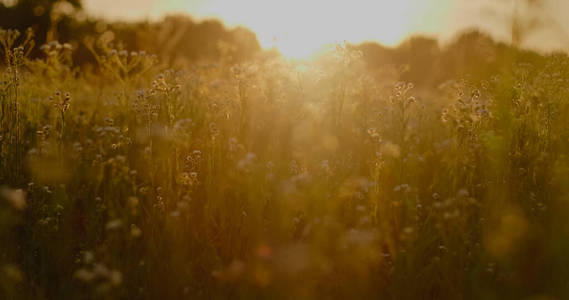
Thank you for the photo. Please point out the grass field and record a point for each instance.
(279, 179)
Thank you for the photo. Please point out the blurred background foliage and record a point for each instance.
(179, 40)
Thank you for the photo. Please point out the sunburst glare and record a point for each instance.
(299, 28)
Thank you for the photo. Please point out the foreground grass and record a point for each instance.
(276, 179)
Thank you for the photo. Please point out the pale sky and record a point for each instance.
(302, 26)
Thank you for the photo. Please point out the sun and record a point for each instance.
(299, 47)
(301, 28)
(307, 26)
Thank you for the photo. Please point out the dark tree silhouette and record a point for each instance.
(44, 16)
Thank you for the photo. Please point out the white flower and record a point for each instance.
(114, 224)
(16, 197)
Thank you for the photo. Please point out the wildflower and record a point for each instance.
(84, 275)
(88, 257)
(16, 197)
(66, 102)
(133, 201)
(183, 205)
(391, 149)
(183, 126)
(114, 224)
(247, 161)
(115, 278)
(184, 179)
(402, 187)
(325, 166)
(463, 193)
(135, 231)
(213, 129)
(101, 270)
(197, 153)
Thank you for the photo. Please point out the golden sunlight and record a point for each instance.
(299, 28)
(400, 149)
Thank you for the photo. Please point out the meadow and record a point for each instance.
(274, 178)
